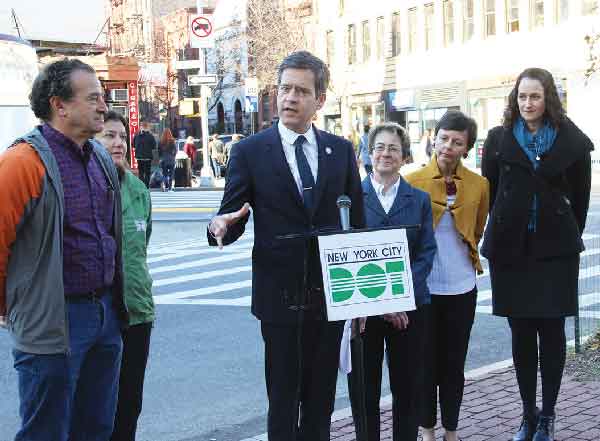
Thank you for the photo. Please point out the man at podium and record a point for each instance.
(291, 174)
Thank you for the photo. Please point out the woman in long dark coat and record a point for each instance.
(539, 167)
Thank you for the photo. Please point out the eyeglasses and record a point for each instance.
(391, 148)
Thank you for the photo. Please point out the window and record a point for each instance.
(380, 38)
(366, 41)
(428, 26)
(412, 29)
(489, 21)
(468, 20)
(562, 10)
(395, 34)
(589, 7)
(537, 13)
(330, 43)
(512, 16)
(351, 44)
(448, 22)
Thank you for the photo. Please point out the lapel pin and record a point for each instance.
(328, 150)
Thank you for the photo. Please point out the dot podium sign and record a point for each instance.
(202, 35)
(366, 273)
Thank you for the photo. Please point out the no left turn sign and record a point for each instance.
(201, 27)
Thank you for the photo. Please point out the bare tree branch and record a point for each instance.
(274, 31)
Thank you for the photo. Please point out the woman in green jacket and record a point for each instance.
(137, 226)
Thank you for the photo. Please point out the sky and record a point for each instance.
(64, 20)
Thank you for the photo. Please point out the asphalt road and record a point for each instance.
(205, 375)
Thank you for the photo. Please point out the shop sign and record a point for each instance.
(402, 99)
(134, 123)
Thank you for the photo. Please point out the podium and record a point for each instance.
(365, 272)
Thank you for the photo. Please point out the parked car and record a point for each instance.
(181, 142)
(227, 138)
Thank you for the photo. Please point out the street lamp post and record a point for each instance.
(206, 173)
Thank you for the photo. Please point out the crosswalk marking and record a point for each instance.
(209, 290)
(202, 276)
(188, 253)
(186, 199)
(200, 244)
(200, 263)
(195, 257)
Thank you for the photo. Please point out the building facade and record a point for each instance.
(229, 61)
(413, 60)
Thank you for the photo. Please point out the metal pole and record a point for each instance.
(206, 173)
(577, 326)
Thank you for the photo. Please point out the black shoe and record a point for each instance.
(545, 429)
(527, 427)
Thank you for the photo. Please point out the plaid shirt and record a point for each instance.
(89, 247)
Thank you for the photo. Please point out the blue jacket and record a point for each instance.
(411, 207)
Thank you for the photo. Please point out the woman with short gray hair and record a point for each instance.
(390, 200)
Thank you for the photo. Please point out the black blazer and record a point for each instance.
(562, 185)
(258, 173)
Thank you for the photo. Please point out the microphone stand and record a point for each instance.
(356, 377)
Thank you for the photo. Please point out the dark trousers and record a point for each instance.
(73, 396)
(144, 167)
(44, 393)
(552, 352)
(405, 363)
(168, 167)
(136, 346)
(320, 358)
(447, 340)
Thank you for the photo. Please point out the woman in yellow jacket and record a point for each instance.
(459, 202)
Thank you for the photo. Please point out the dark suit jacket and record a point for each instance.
(562, 185)
(259, 174)
(411, 207)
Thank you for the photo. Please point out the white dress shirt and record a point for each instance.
(311, 151)
(452, 271)
(387, 198)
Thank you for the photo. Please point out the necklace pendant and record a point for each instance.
(537, 158)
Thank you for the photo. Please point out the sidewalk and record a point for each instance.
(491, 410)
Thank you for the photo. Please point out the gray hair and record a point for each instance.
(306, 60)
(394, 129)
(54, 80)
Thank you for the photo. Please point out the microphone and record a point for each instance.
(343, 203)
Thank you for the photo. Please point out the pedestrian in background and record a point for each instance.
(190, 149)
(363, 156)
(137, 227)
(460, 200)
(167, 151)
(144, 144)
(216, 148)
(234, 140)
(61, 281)
(390, 200)
(539, 167)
